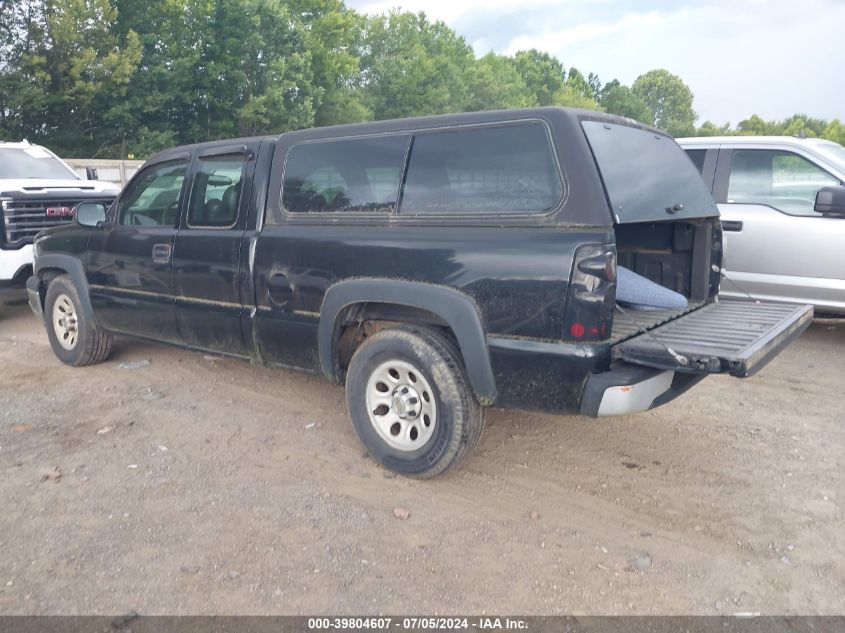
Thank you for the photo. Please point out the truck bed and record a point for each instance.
(628, 322)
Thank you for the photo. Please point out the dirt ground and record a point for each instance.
(201, 485)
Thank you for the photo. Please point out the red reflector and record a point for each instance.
(594, 331)
(577, 330)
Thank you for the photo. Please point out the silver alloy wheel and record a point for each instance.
(401, 405)
(65, 324)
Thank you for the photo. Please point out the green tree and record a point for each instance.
(494, 83)
(14, 41)
(218, 68)
(67, 78)
(414, 67)
(618, 99)
(797, 126)
(669, 98)
(547, 81)
(834, 131)
(801, 125)
(117, 77)
(708, 128)
(169, 93)
(334, 38)
(542, 75)
(578, 83)
(577, 92)
(595, 86)
(266, 53)
(755, 125)
(572, 98)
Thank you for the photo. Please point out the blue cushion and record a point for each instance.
(643, 294)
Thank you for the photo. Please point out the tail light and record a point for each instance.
(592, 294)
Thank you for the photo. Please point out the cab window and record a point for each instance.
(217, 191)
(152, 198)
(776, 178)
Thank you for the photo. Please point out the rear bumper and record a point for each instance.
(544, 375)
(572, 378)
(627, 389)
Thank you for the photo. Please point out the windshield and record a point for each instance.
(32, 162)
(647, 176)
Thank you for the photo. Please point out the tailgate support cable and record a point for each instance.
(681, 360)
(738, 287)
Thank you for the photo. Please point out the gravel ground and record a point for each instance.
(191, 484)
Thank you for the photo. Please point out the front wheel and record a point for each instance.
(73, 337)
(410, 401)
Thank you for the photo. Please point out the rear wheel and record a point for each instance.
(410, 401)
(73, 337)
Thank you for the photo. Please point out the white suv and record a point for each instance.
(37, 190)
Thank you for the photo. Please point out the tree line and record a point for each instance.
(120, 78)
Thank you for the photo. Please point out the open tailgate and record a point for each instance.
(732, 337)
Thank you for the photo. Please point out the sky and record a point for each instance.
(774, 58)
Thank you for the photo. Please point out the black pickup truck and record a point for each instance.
(436, 266)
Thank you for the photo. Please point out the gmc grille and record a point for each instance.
(23, 219)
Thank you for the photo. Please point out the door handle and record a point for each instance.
(732, 225)
(161, 253)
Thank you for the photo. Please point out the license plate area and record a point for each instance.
(730, 337)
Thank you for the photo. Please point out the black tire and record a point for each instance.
(90, 345)
(459, 418)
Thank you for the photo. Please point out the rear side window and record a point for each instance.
(488, 170)
(358, 175)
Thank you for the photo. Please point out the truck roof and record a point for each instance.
(183, 149)
(757, 140)
(465, 118)
(422, 122)
(16, 145)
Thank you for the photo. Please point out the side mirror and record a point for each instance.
(91, 174)
(90, 213)
(831, 201)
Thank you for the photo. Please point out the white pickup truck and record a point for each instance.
(782, 204)
(37, 190)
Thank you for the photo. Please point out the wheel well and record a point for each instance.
(23, 273)
(45, 277)
(358, 321)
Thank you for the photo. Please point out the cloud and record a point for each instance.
(447, 10)
(770, 57)
(585, 32)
